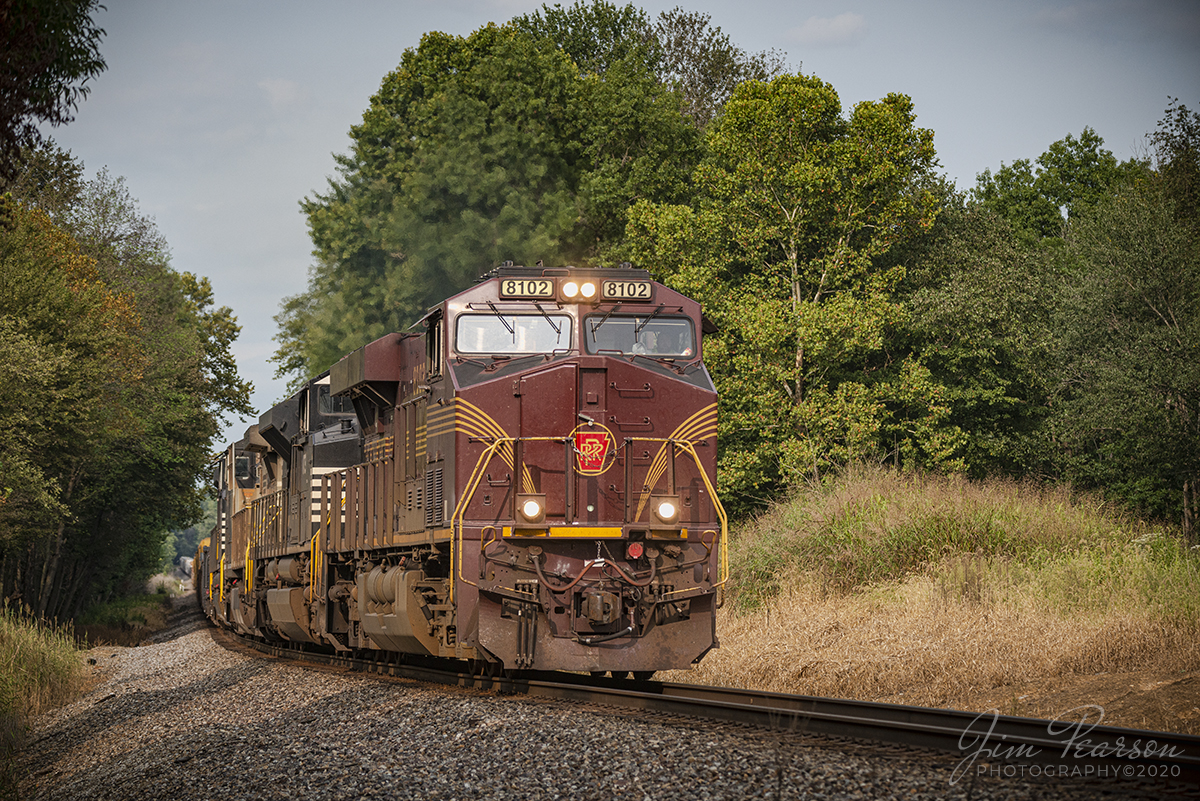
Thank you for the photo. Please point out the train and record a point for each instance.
(525, 480)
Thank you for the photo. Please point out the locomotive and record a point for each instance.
(525, 480)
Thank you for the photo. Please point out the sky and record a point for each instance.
(222, 115)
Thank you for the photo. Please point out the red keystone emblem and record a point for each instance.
(591, 449)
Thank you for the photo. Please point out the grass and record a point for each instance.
(40, 668)
(897, 587)
(125, 621)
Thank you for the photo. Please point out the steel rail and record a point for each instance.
(1073, 746)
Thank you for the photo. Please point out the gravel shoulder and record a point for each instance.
(183, 718)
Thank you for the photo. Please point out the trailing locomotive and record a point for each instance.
(527, 483)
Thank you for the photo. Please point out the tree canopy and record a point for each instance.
(526, 141)
(1040, 325)
(795, 208)
(51, 50)
(124, 372)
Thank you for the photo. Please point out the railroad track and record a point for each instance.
(986, 744)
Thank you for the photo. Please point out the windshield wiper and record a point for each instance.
(557, 329)
(596, 326)
(496, 312)
(637, 329)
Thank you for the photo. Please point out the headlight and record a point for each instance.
(571, 289)
(665, 508)
(532, 508)
(588, 290)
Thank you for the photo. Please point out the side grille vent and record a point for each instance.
(433, 496)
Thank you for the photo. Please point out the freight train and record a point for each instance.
(526, 480)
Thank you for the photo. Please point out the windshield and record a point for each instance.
(512, 333)
(665, 337)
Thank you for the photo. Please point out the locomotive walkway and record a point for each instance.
(187, 718)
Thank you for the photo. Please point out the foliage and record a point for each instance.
(1129, 400)
(681, 48)
(1073, 175)
(704, 64)
(125, 370)
(1108, 302)
(51, 50)
(796, 206)
(528, 141)
(1176, 143)
(981, 302)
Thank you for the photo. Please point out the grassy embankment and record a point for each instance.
(126, 621)
(925, 590)
(40, 668)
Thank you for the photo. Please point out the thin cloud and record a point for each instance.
(844, 29)
(281, 92)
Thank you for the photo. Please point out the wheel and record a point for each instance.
(643, 675)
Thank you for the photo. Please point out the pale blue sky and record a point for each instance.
(222, 115)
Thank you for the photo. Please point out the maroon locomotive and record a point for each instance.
(535, 487)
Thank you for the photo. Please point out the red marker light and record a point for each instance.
(634, 551)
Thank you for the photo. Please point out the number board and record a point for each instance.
(526, 288)
(625, 290)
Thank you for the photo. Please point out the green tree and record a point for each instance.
(126, 369)
(1128, 400)
(704, 64)
(51, 50)
(478, 150)
(1072, 176)
(681, 48)
(982, 301)
(797, 206)
(1129, 405)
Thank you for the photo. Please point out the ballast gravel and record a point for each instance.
(187, 719)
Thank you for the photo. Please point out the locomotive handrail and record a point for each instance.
(461, 509)
(257, 534)
(712, 493)
(314, 545)
(456, 519)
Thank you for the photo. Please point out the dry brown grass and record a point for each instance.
(910, 644)
(890, 586)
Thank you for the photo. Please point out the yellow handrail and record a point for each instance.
(314, 548)
(712, 493)
(257, 534)
(460, 511)
(456, 519)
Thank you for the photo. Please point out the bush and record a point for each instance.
(998, 539)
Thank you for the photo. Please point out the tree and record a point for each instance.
(796, 207)
(704, 64)
(125, 369)
(981, 302)
(478, 150)
(1072, 176)
(1176, 143)
(680, 47)
(1128, 400)
(51, 50)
